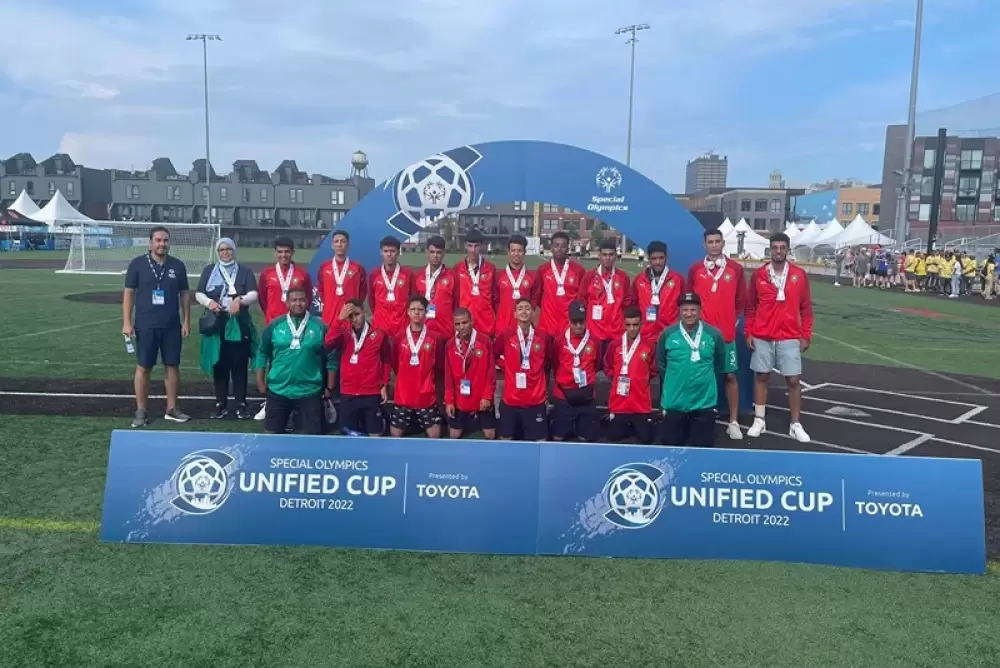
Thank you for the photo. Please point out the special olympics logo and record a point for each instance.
(632, 495)
(609, 178)
(434, 187)
(202, 482)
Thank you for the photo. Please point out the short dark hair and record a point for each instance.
(342, 233)
(609, 244)
(389, 241)
(559, 235)
(632, 312)
(474, 237)
(517, 239)
(522, 299)
(780, 236)
(656, 247)
(462, 311)
(437, 241)
(354, 301)
(712, 233)
(284, 242)
(297, 288)
(417, 298)
(158, 228)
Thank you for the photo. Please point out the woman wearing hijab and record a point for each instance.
(227, 289)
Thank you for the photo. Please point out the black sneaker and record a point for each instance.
(219, 412)
(243, 413)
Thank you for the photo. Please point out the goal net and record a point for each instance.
(107, 246)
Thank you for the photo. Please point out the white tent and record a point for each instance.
(754, 245)
(859, 233)
(25, 206)
(832, 229)
(806, 236)
(726, 227)
(59, 211)
(792, 230)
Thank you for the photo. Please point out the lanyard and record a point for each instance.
(516, 285)
(468, 351)
(415, 347)
(390, 286)
(286, 281)
(525, 345)
(157, 276)
(579, 349)
(709, 265)
(474, 275)
(430, 280)
(559, 276)
(778, 281)
(608, 284)
(359, 341)
(694, 343)
(296, 331)
(339, 276)
(628, 353)
(230, 280)
(656, 284)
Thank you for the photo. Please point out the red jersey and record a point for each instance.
(656, 317)
(773, 320)
(350, 277)
(389, 314)
(641, 370)
(508, 346)
(606, 296)
(416, 385)
(553, 319)
(470, 376)
(721, 307)
(270, 291)
(440, 313)
(564, 367)
(506, 296)
(480, 305)
(370, 372)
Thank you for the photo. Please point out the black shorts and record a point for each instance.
(694, 428)
(277, 409)
(473, 421)
(623, 425)
(581, 420)
(402, 417)
(163, 343)
(362, 414)
(528, 422)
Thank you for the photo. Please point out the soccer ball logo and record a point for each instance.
(434, 187)
(202, 482)
(608, 179)
(633, 496)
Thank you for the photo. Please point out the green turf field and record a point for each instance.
(68, 600)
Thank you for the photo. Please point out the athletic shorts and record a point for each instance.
(690, 429)
(402, 417)
(528, 422)
(731, 365)
(277, 410)
(469, 422)
(582, 421)
(785, 356)
(623, 425)
(910, 276)
(151, 344)
(362, 413)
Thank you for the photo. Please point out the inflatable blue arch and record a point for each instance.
(520, 170)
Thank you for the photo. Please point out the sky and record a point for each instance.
(804, 86)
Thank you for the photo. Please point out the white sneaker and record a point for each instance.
(798, 433)
(734, 431)
(261, 413)
(836, 285)
(757, 428)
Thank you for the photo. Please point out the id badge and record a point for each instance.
(521, 381)
(465, 388)
(650, 314)
(597, 312)
(580, 377)
(431, 312)
(695, 356)
(621, 387)
(159, 298)
(414, 360)
(295, 344)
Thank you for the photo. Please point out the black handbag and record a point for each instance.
(208, 324)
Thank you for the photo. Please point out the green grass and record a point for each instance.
(69, 600)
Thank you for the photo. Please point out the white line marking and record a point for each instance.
(812, 388)
(75, 395)
(805, 386)
(916, 394)
(843, 505)
(898, 362)
(972, 413)
(982, 424)
(406, 486)
(909, 445)
(871, 425)
(62, 329)
(914, 416)
(967, 445)
(832, 446)
(904, 395)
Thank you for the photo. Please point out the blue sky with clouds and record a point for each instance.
(806, 86)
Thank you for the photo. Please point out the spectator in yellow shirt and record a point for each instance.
(910, 272)
(989, 276)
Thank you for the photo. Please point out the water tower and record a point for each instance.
(359, 162)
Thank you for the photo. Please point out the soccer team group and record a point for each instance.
(475, 347)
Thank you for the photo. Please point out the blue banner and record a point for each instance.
(899, 513)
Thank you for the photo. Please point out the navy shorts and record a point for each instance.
(527, 422)
(151, 344)
(472, 421)
(580, 420)
(363, 414)
(402, 417)
(277, 410)
(641, 425)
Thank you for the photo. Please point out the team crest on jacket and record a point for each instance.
(538, 347)
(427, 346)
(444, 281)
(670, 283)
(644, 355)
(350, 272)
(479, 352)
(727, 276)
(795, 278)
(588, 350)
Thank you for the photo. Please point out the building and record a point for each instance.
(892, 173)
(765, 209)
(775, 181)
(251, 205)
(498, 221)
(708, 171)
(842, 204)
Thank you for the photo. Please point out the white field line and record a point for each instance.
(870, 425)
(915, 416)
(909, 445)
(78, 395)
(892, 393)
(57, 330)
(832, 446)
(971, 413)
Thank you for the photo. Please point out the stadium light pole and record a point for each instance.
(630, 30)
(902, 218)
(205, 39)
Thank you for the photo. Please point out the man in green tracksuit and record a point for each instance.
(291, 367)
(691, 354)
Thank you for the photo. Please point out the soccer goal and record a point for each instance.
(107, 246)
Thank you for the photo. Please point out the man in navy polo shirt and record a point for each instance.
(156, 288)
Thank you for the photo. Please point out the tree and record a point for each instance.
(597, 234)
